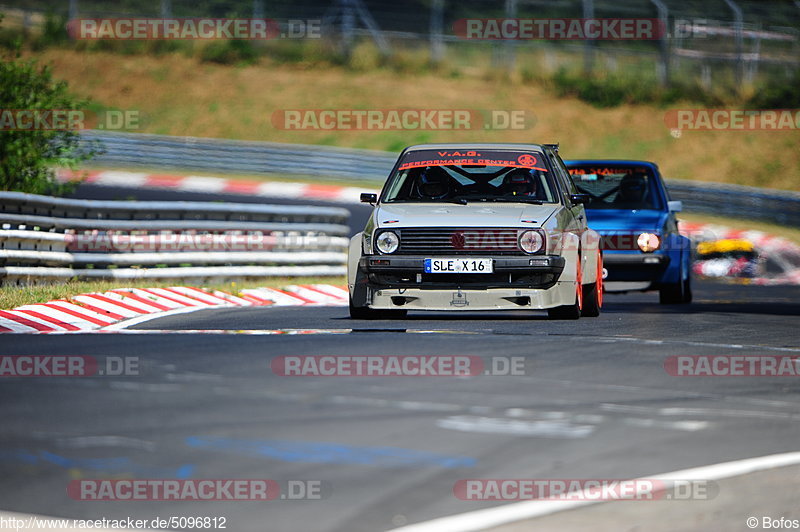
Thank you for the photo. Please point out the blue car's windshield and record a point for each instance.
(617, 186)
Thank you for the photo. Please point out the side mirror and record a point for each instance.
(370, 198)
(675, 206)
(583, 199)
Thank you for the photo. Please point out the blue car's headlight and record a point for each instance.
(648, 242)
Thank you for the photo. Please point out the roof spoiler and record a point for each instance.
(553, 147)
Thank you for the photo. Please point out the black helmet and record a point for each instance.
(519, 182)
(433, 183)
(632, 188)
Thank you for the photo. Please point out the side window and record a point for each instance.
(564, 180)
(565, 173)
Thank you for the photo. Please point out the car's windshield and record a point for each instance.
(465, 176)
(617, 186)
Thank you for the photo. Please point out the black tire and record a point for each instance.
(366, 313)
(676, 293)
(591, 301)
(687, 290)
(569, 312)
(565, 312)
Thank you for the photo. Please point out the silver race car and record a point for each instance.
(476, 227)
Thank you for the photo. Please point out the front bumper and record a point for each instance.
(405, 271)
(562, 293)
(635, 266)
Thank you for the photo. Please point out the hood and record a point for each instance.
(454, 215)
(625, 220)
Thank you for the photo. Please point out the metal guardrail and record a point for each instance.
(734, 201)
(326, 162)
(193, 153)
(44, 238)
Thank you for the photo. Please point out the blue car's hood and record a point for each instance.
(602, 220)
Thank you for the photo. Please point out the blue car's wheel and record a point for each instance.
(678, 293)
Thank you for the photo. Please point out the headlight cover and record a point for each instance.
(648, 242)
(531, 241)
(387, 242)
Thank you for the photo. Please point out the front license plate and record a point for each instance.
(458, 265)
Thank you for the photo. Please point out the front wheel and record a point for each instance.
(593, 294)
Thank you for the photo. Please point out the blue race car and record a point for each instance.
(630, 207)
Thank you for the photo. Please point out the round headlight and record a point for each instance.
(648, 242)
(387, 242)
(531, 241)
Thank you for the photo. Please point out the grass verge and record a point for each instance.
(14, 296)
(178, 95)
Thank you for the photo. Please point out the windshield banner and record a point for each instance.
(518, 159)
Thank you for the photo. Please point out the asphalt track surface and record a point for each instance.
(594, 402)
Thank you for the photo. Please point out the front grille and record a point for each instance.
(458, 241)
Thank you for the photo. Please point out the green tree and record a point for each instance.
(28, 158)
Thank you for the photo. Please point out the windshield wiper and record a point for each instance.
(459, 201)
(516, 200)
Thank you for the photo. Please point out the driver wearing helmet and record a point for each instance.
(632, 191)
(519, 182)
(433, 183)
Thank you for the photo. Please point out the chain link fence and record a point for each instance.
(714, 41)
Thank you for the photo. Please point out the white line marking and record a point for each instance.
(510, 513)
(86, 442)
(516, 427)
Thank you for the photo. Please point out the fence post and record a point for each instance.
(738, 29)
(662, 69)
(588, 51)
(437, 25)
(73, 9)
(166, 8)
(510, 45)
(258, 9)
